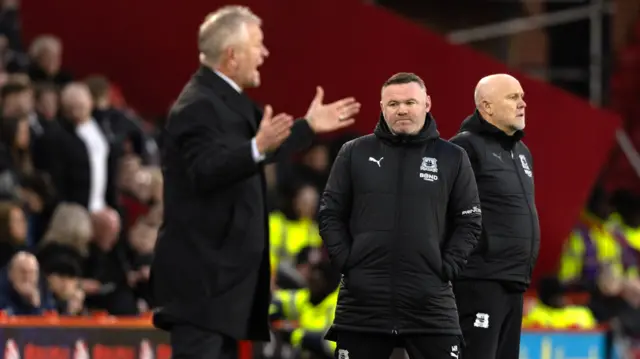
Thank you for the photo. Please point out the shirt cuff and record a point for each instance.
(257, 156)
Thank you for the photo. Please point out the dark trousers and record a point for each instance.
(352, 345)
(189, 342)
(490, 318)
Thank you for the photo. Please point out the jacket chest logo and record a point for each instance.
(525, 166)
(429, 164)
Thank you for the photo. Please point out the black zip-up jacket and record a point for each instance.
(510, 239)
(399, 217)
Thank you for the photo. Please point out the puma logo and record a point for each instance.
(376, 161)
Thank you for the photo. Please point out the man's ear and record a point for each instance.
(488, 107)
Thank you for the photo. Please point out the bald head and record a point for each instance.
(24, 272)
(76, 102)
(106, 224)
(23, 260)
(74, 92)
(489, 86)
(500, 100)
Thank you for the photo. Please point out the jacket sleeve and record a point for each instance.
(300, 138)
(464, 141)
(464, 220)
(211, 162)
(335, 209)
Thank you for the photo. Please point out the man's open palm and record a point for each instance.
(333, 116)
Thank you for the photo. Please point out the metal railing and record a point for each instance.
(594, 12)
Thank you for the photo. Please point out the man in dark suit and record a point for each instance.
(211, 271)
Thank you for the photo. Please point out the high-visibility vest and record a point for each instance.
(296, 306)
(287, 238)
(592, 246)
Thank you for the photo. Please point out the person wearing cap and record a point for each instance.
(62, 270)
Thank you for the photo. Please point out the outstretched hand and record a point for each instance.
(333, 116)
(273, 130)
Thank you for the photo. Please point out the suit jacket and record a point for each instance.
(211, 267)
(70, 167)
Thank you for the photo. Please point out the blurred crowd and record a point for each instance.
(597, 280)
(80, 186)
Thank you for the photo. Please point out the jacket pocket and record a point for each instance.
(433, 262)
(239, 223)
(507, 249)
(355, 256)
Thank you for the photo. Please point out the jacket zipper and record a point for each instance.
(526, 198)
(394, 331)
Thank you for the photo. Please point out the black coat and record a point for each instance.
(211, 267)
(510, 241)
(399, 216)
(68, 163)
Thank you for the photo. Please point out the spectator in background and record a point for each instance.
(15, 136)
(14, 156)
(313, 169)
(21, 292)
(11, 60)
(118, 126)
(141, 189)
(298, 277)
(13, 231)
(105, 270)
(46, 102)
(312, 308)
(62, 268)
(85, 169)
(45, 137)
(46, 61)
(70, 227)
(17, 100)
(10, 25)
(289, 236)
(142, 239)
(552, 310)
(38, 197)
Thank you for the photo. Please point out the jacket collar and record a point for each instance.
(428, 132)
(476, 124)
(238, 102)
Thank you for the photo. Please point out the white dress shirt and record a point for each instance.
(98, 152)
(257, 156)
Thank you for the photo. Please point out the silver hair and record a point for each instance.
(74, 90)
(42, 43)
(223, 28)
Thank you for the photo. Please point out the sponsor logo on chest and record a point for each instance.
(429, 169)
